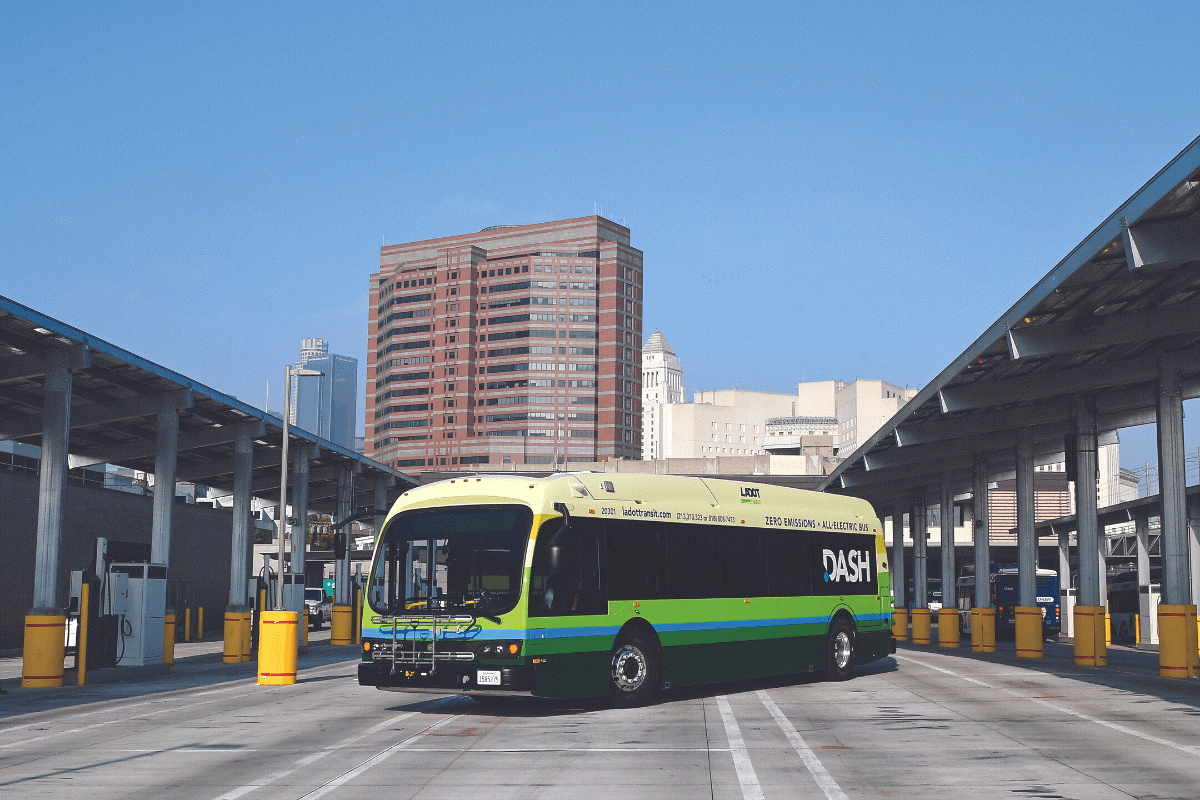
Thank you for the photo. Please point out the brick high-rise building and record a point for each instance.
(520, 344)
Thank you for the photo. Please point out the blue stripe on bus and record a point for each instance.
(489, 634)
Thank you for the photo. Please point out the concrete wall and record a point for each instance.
(200, 546)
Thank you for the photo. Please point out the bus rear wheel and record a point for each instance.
(634, 670)
(841, 650)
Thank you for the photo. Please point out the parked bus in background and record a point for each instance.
(933, 596)
(1005, 593)
(1124, 604)
(593, 584)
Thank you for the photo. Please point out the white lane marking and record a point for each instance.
(824, 780)
(225, 751)
(751, 790)
(352, 739)
(346, 777)
(1192, 750)
(115, 704)
(309, 759)
(169, 709)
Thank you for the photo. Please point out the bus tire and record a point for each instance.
(841, 650)
(634, 670)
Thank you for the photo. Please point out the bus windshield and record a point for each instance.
(476, 553)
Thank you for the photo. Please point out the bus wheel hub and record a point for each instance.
(629, 668)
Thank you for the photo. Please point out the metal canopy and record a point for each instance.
(1096, 327)
(114, 404)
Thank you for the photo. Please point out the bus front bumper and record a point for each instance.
(448, 679)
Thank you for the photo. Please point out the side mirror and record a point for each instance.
(339, 545)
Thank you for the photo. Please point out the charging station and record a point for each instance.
(142, 590)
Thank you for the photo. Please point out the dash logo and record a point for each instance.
(750, 494)
(854, 568)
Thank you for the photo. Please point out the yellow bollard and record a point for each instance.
(187, 624)
(81, 634)
(200, 623)
(247, 635)
(277, 647)
(341, 630)
(1089, 637)
(358, 605)
(44, 651)
(1107, 628)
(988, 630)
(900, 624)
(1029, 632)
(948, 628)
(169, 640)
(304, 626)
(232, 652)
(1174, 649)
(921, 631)
(1193, 626)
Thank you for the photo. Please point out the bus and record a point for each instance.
(933, 595)
(1005, 594)
(591, 584)
(1124, 605)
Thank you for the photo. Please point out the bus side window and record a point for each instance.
(691, 561)
(575, 588)
(743, 563)
(636, 564)
(786, 576)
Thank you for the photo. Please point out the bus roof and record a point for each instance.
(651, 496)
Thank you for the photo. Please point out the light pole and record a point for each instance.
(288, 372)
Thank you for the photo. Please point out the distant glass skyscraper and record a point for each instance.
(327, 405)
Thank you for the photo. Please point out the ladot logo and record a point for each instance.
(750, 494)
(853, 568)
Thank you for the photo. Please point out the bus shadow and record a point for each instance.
(535, 707)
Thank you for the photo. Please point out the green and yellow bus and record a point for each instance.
(592, 584)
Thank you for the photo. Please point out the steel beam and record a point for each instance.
(898, 581)
(1134, 326)
(1176, 585)
(239, 557)
(37, 364)
(920, 532)
(193, 439)
(52, 481)
(1059, 383)
(980, 522)
(105, 413)
(1091, 560)
(1193, 542)
(342, 567)
(300, 479)
(1141, 526)
(1161, 244)
(165, 463)
(1026, 538)
(206, 470)
(946, 550)
(1066, 617)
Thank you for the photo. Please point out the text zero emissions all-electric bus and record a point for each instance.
(591, 584)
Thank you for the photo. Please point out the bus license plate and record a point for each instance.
(488, 677)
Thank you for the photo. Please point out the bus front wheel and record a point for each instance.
(841, 651)
(634, 672)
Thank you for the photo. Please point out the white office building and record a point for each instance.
(662, 385)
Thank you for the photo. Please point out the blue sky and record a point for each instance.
(821, 190)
